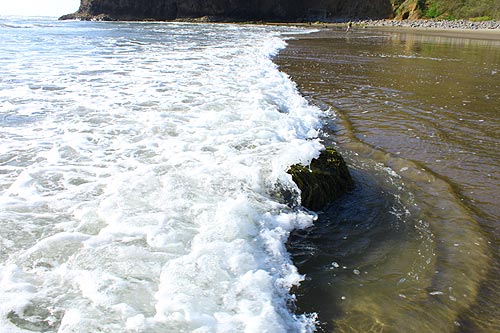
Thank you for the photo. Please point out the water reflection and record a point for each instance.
(350, 253)
(426, 107)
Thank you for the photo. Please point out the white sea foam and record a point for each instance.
(139, 168)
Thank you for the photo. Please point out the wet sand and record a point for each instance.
(483, 34)
(415, 112)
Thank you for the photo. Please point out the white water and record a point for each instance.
(138, 171)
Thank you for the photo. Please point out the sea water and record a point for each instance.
(140, 172)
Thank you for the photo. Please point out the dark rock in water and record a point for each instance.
(326, 179)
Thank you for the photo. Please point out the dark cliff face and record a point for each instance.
(269, 10)
(240, 9)
(127, 9)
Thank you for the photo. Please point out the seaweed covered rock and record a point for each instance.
(326, 179)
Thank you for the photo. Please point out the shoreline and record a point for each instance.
(430, 23)
(480, 34)
(307, 63)
(452, 33)
(341, 21)
(474, 29)
(433, 29)
(489, 30)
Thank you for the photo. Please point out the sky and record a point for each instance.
(38, 7)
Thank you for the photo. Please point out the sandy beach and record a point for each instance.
(487, 34)
(489, 30)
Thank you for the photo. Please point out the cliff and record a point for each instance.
(283, 10)
(232, 10)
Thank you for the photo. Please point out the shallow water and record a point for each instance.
(139, 166)
(414, 248)
(140, 162)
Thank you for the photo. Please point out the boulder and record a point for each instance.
(326, 179)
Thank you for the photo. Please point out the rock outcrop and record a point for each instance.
(408, 9)
(326, 179)
(280, 10)
(109, 10)
(232, 10)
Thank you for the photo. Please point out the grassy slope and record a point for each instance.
(464, 8)
(453, 9)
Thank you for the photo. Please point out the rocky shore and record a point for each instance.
(433, 24)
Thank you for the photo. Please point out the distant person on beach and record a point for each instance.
(349, 26)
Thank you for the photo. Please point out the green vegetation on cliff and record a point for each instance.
(470, 8)
(447, 9)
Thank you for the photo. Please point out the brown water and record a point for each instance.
(414, 248)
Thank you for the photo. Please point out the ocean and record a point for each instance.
(140, 172)
(142, 168)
